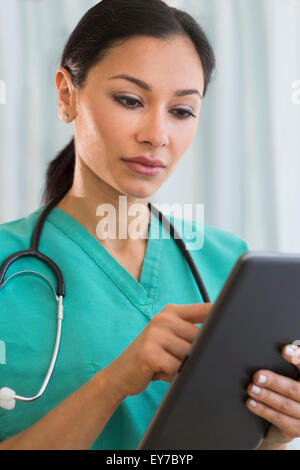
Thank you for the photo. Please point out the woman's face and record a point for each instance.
(116, 119)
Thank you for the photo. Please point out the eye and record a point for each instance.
(128, 99)
(187, 115)
(121, 99)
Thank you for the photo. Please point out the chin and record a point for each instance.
(138, 194)
(139, 190)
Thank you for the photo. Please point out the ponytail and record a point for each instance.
(60, 173)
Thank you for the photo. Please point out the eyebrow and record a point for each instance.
(145, 86)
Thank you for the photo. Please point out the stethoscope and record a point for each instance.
(8, 397)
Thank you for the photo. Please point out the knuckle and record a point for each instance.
(293, 389)
(168, 368)
(162, 366)
(164, 316)
(161, 318)
(285, 405)
(155, 360)
(156, 324)
(169, 308)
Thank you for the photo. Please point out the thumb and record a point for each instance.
(291, 353)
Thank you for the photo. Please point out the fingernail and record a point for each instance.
(252, 403)
(294, 353)
(255, 389)
(296, 357)
(289, 351)
(262, 379)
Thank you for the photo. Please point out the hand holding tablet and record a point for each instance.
(235, 358)
(277, 399)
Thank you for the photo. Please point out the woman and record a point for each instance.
(131, 305)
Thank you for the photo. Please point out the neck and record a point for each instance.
(104, 212)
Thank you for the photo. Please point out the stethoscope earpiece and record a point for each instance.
(7, 398)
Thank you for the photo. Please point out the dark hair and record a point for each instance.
(101, 28)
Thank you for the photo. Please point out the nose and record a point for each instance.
(154, 130)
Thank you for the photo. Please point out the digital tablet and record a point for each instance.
(255, 315)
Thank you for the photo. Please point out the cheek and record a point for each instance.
(100, 128)
(103, 129)
(182, 139)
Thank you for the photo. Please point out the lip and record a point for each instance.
(143, 169)
(145, 161)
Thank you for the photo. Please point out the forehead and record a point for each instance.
(171, 63)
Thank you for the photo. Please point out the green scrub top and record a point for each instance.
(105, 308)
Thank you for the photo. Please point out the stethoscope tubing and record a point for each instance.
(34, 252)
(53, 359)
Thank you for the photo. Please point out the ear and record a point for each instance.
(66, 93)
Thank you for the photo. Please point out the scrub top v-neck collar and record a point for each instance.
(142, 293)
